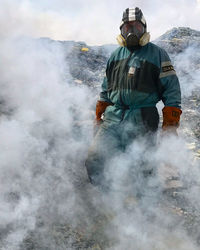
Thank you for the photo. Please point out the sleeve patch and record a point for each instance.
(167, 68)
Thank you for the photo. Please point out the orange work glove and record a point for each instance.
(171, 118)
(100, 108)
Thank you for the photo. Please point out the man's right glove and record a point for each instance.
(100, 109)
(171, 118)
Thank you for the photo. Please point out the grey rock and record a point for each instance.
(177, 40)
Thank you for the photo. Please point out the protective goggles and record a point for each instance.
(135, 27)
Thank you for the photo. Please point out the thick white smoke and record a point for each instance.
(45, 131)
(42, 145)
(144, 216)
(44, 140)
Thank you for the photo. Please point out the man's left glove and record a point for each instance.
(100, 109)
(171, 118)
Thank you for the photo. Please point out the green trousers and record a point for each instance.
(111, 140)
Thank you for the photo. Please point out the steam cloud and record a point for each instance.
(45, 131)
(41, 112)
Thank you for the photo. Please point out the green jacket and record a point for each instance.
(137, 79)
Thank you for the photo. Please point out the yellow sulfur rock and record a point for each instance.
(84, 49)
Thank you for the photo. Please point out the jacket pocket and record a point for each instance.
(145, 78)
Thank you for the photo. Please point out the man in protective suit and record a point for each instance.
(138, 75)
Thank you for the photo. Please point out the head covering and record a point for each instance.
(133, 14)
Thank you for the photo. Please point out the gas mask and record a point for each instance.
(132, 32)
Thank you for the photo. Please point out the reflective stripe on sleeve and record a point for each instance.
(167, 69)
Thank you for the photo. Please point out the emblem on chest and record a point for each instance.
(131, 71)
